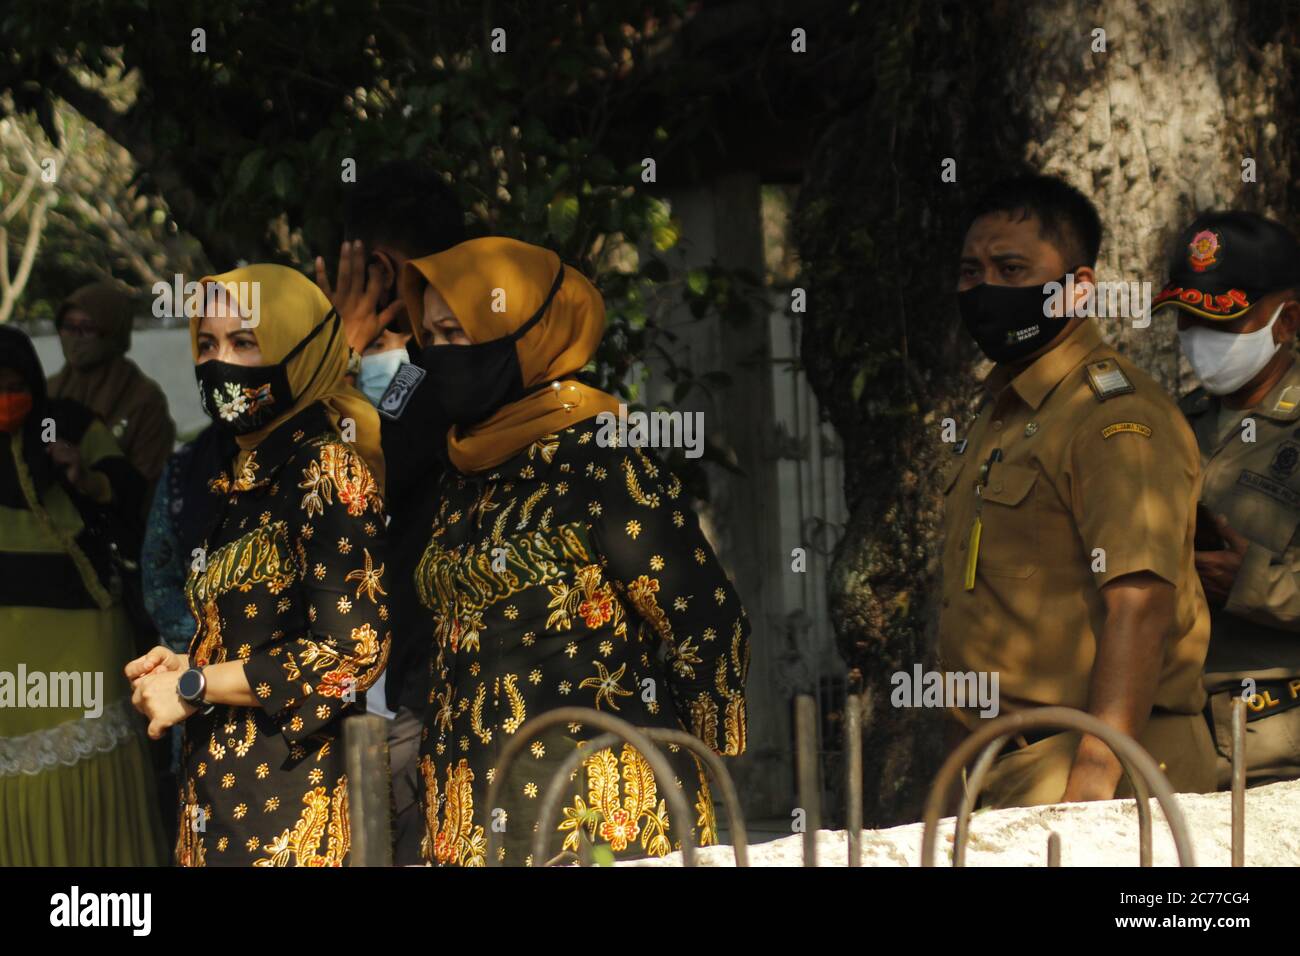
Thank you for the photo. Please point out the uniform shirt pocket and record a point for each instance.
(1009, 537)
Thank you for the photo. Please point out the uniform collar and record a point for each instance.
(1035, 383)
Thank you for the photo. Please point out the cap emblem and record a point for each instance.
(1202, 248)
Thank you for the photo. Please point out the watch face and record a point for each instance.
(190, 684)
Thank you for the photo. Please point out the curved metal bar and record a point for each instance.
(730, 797)
(1123, 746)
(975, 786)
(1238, 781)
(853, 744)
(555, 788)
(663, 771)
(807, 771)
(1143, 797)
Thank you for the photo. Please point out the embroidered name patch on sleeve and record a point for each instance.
(1118, 427)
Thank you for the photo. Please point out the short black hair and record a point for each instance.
(403, 203)
(1065, 215)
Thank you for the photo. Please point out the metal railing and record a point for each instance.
(1144, 776)
(643, 740)
(366, 757)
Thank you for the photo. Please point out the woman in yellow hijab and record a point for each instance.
(287, 591)
(560, 570)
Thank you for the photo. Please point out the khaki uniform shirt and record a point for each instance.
(1256, 485)
(1090, 459)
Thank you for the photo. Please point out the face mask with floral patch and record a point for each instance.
(243, 398)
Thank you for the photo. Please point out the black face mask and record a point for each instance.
(470, 382)
(243, 398)
(1007, 322)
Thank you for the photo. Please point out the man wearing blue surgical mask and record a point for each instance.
(1234, 279)
(397, 211)
(380, 361)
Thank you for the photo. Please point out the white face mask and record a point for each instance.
(1224, 362)
(377, 370)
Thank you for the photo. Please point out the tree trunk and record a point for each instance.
(1152, 129)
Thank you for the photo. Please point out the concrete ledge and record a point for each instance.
(1092, 834)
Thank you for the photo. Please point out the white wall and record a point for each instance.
(164, 356)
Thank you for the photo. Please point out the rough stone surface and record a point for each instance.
(1092, 834)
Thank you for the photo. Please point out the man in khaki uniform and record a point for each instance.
(1069, 519)
(1234, 280)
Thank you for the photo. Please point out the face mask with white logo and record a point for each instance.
(377, 370)
(1224, 362)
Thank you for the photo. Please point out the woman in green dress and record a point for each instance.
(561, 570)
(76, 785)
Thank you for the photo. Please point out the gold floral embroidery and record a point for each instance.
(340, 673)
(339, 471)
(682, 656)
(483, 505)
(444, 701)
(487, 583)
(639, 813)
(517, 711)
(457, 840)
(257, 557)
(530, 503)
(190, 850)
(241, 746)
(499, 526)
(704, 719)
(634, 486)
(367, 578)
(447, 578)
(545, 446)
(705, 822)
(476, 715)
(299, 845)
(641, 592)
(589, 598)
(223, 485)
(607, 684)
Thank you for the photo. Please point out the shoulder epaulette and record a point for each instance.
(1107, 379)
(1287, 401)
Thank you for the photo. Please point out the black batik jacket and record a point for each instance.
(290, 582)
(573, 575)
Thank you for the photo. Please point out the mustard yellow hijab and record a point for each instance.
(553, 350)
(290, 307)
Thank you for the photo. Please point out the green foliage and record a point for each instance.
(246, 140)
(878, 231)
(100, 224)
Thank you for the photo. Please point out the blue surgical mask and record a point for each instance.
(377, 370)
